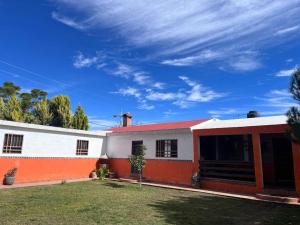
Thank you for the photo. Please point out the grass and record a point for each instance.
(107, 202)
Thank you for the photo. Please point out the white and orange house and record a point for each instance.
(240, 155)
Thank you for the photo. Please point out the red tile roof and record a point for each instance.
(157, 127)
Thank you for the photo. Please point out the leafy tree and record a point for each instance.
(294, 113)
(8, 89)
(38, 95)
(13, 110)
(41, 113)
(26, 103)
(2, 107)
(80, 120)
(61, 109)
(138, 161)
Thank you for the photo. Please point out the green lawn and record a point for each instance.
(98, 202)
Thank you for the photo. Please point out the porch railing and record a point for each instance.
(230, 170)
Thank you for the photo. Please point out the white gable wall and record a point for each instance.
(119, 144)
(49, 142)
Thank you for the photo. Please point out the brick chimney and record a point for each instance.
(127, 119)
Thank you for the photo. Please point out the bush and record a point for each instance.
(102, 172)
(11, 173)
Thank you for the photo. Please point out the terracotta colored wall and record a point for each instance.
(45, 169)
(296, 157)
(228, 186)
(162, 171)
(255, 132)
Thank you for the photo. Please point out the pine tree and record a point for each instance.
(13, 110)
(41, 113)
(2, 107)
(60, 107)
(80, 120)
(294, 113)
(8, 89)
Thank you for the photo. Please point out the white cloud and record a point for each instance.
(245, 63)
(145, 106)
(285, 73)
(186, 98)
(169, 113)
(287, 30)
(223, 111)
(160, 96)
(182, 98)
(98, 124)
(129, 91)
(204, 56)
(159, 85)
(134, 92)
(141, 78)
(278, 98)
(123, 70)
(199, 93)
(68, 21)
(82, 61)
(184, 27)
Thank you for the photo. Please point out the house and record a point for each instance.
(170, 152)
(247, 155)
(240, 155)
(43, 153)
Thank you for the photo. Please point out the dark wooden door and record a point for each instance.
(134, 150)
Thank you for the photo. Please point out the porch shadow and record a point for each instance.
(114, 185)
(207, 209)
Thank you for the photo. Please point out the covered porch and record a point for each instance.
(253, 159)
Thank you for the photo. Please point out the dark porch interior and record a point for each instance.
(277, 161)
(227, 157)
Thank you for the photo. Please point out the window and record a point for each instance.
(166, 148)
(136, 145)
(82, 147)
(13, 143)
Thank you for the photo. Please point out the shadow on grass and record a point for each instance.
(221, 210)
(114, 185)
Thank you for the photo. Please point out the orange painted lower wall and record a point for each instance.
(228, 186)
(162, 171)
(46, 169)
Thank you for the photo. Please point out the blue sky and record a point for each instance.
(160, 60)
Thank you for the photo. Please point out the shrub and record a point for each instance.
(12, 172)
(102, 172)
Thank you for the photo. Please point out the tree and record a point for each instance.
(80, 120)
(138, 161)
(8, 89)
(13, 110)
(61, 110)
(38, 95)
(294, 114)
(2, 107)
(41, 113)
(26, 102)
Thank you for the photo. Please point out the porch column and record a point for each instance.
(296, 161)
(257, 161)
(196, 152)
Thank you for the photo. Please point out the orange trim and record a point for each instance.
(196, 153)
(45, 169)
(228, 186)
(163, 171)
(257, 162)
(296, 157)
(255, 132)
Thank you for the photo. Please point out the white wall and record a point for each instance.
(52, 142)
(119, 145)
